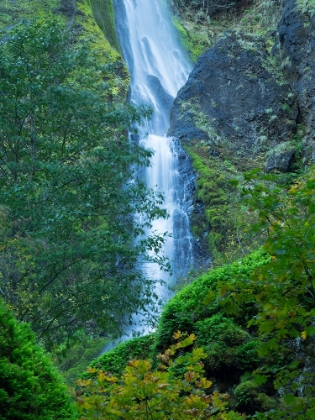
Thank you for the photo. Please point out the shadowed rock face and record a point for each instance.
(235, 97)
(296, 48)
(164, 98)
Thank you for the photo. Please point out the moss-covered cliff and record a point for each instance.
(92, 23)
(248, 103)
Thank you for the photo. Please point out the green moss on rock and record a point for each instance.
(306, 6)
(227, 345)
(103, 11)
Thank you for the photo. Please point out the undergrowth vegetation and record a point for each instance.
(199, 26)
(114, 360)
(71, 362)
(253, 318)
(176, 389)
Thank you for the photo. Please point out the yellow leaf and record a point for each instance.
(189, 376)
(192, 400)
(91, 370)
(204, 383)
(84, 382)
(101, 376)
(192, 412)
(177, 335)
(134, 363)
(206, 398)
(162, 367)
(303, 335)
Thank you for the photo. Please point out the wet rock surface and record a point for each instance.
(249, 102)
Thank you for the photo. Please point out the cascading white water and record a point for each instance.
(158, 69)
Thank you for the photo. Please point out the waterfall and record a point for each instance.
(158, 69)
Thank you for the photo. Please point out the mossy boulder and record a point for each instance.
(281, 158)
(188, 305)
(228, 346)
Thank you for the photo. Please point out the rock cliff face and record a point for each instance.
(243, 97)
(296, 48)
(236, 96)
(249, 102)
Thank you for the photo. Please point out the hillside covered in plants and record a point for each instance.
(235, 341)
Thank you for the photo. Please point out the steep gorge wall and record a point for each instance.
(249, 102)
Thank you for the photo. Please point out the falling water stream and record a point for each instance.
(158, 69)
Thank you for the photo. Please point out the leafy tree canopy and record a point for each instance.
(71, 246)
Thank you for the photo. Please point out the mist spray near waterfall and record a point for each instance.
(158, 69)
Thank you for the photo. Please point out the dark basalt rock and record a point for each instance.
(164, 97)
(296, 48)
(237, 98)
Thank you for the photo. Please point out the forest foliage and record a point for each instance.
(70, 254)
(176, 389)
(71, 249)
(254, 319)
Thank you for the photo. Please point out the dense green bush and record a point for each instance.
(115, 360)
(30, 388)
(230, 348)
(227, 345)
(188, 306)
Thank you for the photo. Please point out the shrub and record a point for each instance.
(245, 394)
(115, 360)
(189, 305)
(227, 345)
(30, 387)
(143, 392)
